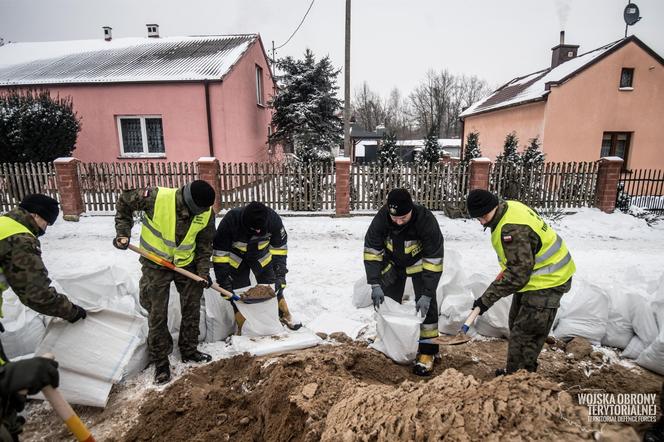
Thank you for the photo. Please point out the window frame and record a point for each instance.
(260, 91)
(144, 137)
(614, 143)
(629, 87)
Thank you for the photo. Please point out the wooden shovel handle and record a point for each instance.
(471, 319)
(169, 265)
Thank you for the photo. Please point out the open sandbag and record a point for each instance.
(361, 293)
(584, 312)
(262, 318)
(398, 328)
(24, 327)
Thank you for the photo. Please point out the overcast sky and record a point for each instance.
(394, 42)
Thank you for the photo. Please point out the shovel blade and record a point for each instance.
(461, 338)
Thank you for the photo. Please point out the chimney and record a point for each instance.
(153, 30)
(561, 53)
(108, 34)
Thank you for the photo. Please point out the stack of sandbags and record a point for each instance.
(584, 312)
(619, 330)
(652, 357)
(24, 327)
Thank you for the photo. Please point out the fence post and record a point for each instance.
(210, 171)
(342, 191)
(608, 175)
(479, 174)
(69, 188)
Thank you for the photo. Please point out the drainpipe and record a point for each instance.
(463, 138)
(206, 83)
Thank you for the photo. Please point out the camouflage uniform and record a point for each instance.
(156, 281)
(532, 313)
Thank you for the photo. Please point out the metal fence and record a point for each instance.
(20, 179)
(643, 188)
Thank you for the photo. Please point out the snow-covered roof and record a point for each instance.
(535, 86)
(444, 142)
(122, 59)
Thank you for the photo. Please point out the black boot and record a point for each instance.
(501, 372)
(162, 373)
(197, 356)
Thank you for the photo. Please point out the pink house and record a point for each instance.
(174, 98)
(606, 102)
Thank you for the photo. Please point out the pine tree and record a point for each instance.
(472, 148)
(388, 152)
(532, 160)
(510, 154)
(533, 155)
(36, 127)
(306, 109)
(432, 150)
(509, 162)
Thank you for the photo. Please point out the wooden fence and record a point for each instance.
(547, 187)
(280, 186)
(20, 179)
(102, 183)
(643, 188)
(438, 187)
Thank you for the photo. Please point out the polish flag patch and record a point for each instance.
(507, 238)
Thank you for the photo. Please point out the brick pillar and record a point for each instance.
(479, 174)
(607, 183)
(69, 188)
(342, 191)
(210, 171)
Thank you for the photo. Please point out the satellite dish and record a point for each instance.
(631, 14)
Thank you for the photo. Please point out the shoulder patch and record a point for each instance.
(507, 238)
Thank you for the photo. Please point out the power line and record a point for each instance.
(298, 26)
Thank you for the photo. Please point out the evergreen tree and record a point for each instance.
(533, 155)
(472, 148)
(532, 160)
(388, 152)
(432, 150)
(36, 127)
(510, 155)
(509, 162)
(306, 109)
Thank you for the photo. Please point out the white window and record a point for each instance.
(141, 136)
(259, 85)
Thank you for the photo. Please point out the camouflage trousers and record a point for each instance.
(530, 320)
(154, 293)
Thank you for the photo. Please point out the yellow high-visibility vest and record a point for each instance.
(158, 233)
(9, 227)
(553, 263)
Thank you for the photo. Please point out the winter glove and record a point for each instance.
(80, 314)
(121, 242)
(206, 282)
(422, 305)
(29, 374)
(478, 303)
(377, 296)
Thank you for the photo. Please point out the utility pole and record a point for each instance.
(347, 152)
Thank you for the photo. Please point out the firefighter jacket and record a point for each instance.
(416, 247)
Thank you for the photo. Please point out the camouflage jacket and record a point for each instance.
(21, 262)
(520, 253)
(142, 200)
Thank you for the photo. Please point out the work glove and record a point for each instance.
(29, 374)
(80, 314)
(377, 296)
(422, 305)
(206, 282)
(280, 284)
(478, 303)
(121, 242)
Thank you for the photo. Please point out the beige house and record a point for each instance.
(606, 102)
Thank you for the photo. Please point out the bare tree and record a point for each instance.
(398, 119)
(368, 108)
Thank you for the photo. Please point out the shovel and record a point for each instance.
(460, 338)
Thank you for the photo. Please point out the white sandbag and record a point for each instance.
(454, 310)
(652, 357)
(495, 321)
(24, 327)
(329, 323)
(644, 321)
(262, 318)
(452, 280)
(619, 330)
(398, 328)
(584, 312)
(219, 318)
(634, 348)
(285, 341)
(93, 353)
(362, 293)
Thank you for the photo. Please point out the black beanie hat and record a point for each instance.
(254, 215)
(480, 202)
(42, 205)
(399, 202)
(199, 196)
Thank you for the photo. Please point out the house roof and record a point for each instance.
(536, 86)
(122, 60)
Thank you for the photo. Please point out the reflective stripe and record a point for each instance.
(265, 260)
(186, 246)
(388, 244)
(549, 253)
(415, 268)
(242, 246)
(154, 250)
(412, 247)
(146, 222)
(432, 264)
(373, 254)
(221, 259)
(221, 252)
(235, 260)
(553, 267)
(4, 285)
(263, 244)
(386, 269)
(281, 251)
(428, 330)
